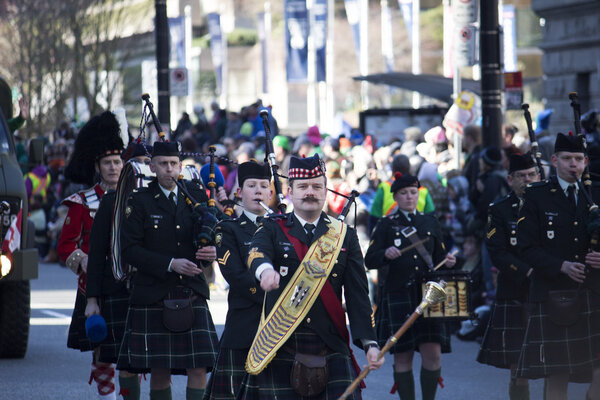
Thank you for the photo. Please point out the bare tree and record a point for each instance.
(65, 50)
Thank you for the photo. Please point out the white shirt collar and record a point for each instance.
(406, 213)
(564, 185)
(304, 222)
(251, 216)
(168, 192)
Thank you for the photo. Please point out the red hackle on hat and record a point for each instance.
(570, 133)
(398, 175)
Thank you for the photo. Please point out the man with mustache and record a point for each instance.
(302, 260)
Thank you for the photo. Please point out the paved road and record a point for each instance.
(51, 371)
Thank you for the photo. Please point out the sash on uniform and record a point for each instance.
(297, 298)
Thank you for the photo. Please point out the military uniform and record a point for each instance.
(155, 231)
(317, 333)
(401, 287)
(245, 298)
(550, 231)
(504, 335)
(74, 243)
(112, 296)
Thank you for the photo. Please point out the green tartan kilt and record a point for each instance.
(393, 310)
(114, 310)
(227, 375)
(148, 344)
(549, 349)
(273, 383)
(503, 337)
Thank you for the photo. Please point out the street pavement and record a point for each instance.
(51, 371)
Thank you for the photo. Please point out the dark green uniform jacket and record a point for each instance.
(551, 231)
(501, 242)
(154, 232)
(245, 298)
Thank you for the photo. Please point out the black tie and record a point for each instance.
(309, 232)
(258, 220)
(172, 200)
(571, 195)
(411, 216)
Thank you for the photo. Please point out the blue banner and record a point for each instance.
(177, 37)
(319, 33)
(353, 14)
(216, 47)
(406, 9)
(510, 38)
(296, 38)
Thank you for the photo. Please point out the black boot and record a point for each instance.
(405, 384)
(429, 383)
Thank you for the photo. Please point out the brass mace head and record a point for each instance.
(434, 293)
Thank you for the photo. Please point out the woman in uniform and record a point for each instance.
(399, 275)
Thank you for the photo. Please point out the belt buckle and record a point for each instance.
(408, 231)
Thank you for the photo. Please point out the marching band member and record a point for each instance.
(561, 341)
(97, 152)
(169, 328)
(397, 301)
(303, 259)
(504, 335)
(105, 295)
(245, 297)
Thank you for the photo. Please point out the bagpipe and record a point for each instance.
(535, 148)
(136, 175)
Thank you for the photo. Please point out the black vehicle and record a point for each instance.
(20, 266)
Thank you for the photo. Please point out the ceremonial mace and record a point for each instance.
(434, 294)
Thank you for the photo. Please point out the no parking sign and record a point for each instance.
(179, 82)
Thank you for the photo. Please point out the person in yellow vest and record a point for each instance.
(37, 182)
(384, 203)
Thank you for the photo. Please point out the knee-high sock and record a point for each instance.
(104, 376)
(193, 394)
(405, 384)
(160, 394)
(130, 387)
(429, 383)
(518, 392)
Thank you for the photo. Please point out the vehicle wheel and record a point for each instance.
(15, 309)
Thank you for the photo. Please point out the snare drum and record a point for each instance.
(458, 305)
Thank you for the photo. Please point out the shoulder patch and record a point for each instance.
(128, 210)
(538, 184)
(219, 239)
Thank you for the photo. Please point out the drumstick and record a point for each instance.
(413, 245)
(454, 252)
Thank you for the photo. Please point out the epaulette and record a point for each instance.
(500, 200)
(74, 198)
(538, 184)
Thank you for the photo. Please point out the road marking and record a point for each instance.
(57, 319)
(52, 306)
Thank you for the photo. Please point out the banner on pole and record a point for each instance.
(513, 89)
(177, 57)
(353, 15)
(216, 47)
(509, 38)
(464, 15)
(296, 38)
(319, 33)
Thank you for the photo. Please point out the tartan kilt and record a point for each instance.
(148, 344)
(504, 334)
(114, 310)
(77, 338)
(549, 349)
(273, 383)
(227, 375)
(393, 310)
